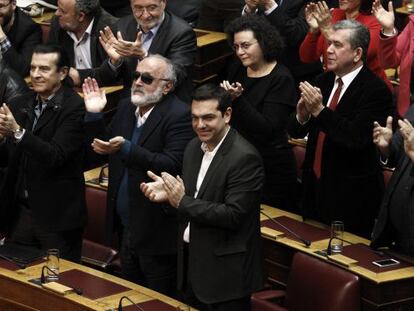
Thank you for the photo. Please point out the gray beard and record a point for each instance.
(146, 99)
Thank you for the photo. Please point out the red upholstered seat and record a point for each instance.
(313, 285)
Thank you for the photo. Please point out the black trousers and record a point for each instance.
(27, 232)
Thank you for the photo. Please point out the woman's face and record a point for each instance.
(349, 5)
(247, 48)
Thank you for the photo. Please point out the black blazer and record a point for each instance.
(24, 35)
(98, 55)
(351, 182)
(51, 158)
(153, 227)
(225, 260)
(175, 40)
(11, 84)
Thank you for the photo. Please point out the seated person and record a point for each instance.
(18, 37)
(76, 27)
(12, 84)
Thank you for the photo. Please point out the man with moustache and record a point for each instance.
(148, 132)
(18, 37)
(76, 27)
(149, 30)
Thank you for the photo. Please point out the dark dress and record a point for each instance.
(260, 114)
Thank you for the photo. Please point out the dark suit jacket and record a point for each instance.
(153, 227)
(11, 84)
(224, 252)
(175, 40)
(24, 35)
(51, 158)
(98, 55)
(351, 180)
(289, 20)
(402, 181)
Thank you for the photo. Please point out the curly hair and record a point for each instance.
(266, 35)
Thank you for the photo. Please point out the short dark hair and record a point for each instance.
(359, 36)
(62, 59)
(89, 7)
(266, 35)
(212, 91)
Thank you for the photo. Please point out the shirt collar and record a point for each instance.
(214, 151)
(349, 77)
(142, 119)
(86, 34)
(154, 29)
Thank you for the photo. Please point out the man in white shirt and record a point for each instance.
(76, 27)
(218, 202)
(342, 177)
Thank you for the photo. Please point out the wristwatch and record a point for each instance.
(18, 133)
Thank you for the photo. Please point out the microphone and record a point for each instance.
(16, 263)
(328, 250)
(129, 299)
(43, 279)
(304, 241)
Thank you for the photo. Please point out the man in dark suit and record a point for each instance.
(394, 227)
(288, 17)
(150, 30)
(341, 175)
(43, 200)
(76, 27)
(18, 37)
(218, 201)
(148, 132)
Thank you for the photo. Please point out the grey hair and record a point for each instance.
(359, 36)
(170, 71)
(89, 7)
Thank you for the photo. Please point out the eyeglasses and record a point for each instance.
(150, 9)
(244, 46)
(146, 77)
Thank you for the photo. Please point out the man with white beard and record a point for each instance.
(148, 132)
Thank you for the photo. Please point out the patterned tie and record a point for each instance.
(317, 163)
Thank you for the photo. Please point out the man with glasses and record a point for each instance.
(148, 132)
(18, 37)
(150, 30)
(76, 27)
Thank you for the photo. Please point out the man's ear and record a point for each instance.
(168, 87)
(358, 54)
(64, 71)
(82, 16)
(227, 115)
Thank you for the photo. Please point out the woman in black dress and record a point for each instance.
(264, 95)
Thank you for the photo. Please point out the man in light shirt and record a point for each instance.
(342, 177)
(148, 132)
(149, 30)
(76, 27)
(218, 202)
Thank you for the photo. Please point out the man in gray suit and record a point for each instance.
(218, 203)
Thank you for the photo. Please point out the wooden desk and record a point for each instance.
(379, 291)
(15, 286)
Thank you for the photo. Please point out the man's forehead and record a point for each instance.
(146, 2)
(203, 107)
(151, 65)
(44, 58)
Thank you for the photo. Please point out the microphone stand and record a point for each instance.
(43, 279)
(328, 249)
(304, 241)
(129, 299)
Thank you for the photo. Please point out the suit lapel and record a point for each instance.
(52, 107)
(154, 119)
(156, 44)
(128, 126)
(217, 161)
(196, 156)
